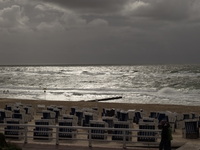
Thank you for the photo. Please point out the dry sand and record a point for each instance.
(124, 106)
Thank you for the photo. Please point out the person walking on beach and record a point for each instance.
(166, 136)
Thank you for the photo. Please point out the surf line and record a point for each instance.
(105, 99)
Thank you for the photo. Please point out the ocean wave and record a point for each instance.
(168, 91)
(92, 73)
(77, 93)
(57, 93)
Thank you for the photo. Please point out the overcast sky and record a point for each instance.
(99, 32)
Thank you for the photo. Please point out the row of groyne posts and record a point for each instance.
(24, 123)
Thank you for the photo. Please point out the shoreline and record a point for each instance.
(124, 106)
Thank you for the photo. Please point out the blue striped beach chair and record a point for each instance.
(42, 131)
(98, 133)
(64, 131)
(118, 134)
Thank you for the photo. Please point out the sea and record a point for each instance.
(144, 84)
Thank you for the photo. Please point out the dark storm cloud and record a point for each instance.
(157, 9)
(99, 31)
(91, 6)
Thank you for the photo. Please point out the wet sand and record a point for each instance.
(124, 106)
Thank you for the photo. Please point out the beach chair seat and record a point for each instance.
(137, 117)
(64, 128)
(131, 115)
(147, 136)
(49, 115)
(80, 115)
(98, 133)
(108, 112)
(153, 114)
(186, 116)
(63, 109)
(110, 121)
(22, 117)
(2, 116)
(73, 110)
(118, 134)
(5, 114)
(13, 130)
(87, 117)
(57, 113)
(9, 107)
(40, 108)
(123, 116)
(29, 113)
(162, 116)
(42, 131)
(91, 110)
(191, 129)
(73, 117)
(148, 119)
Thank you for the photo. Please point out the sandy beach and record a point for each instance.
(178, 140)
(124, 106)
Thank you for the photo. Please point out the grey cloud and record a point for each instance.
(12, 17)
(91, 6)
(161, 9)
(16, 16)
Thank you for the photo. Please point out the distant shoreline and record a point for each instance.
(74, 65)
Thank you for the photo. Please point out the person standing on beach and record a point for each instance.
(166, 136)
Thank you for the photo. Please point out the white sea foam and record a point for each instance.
(168, 91)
